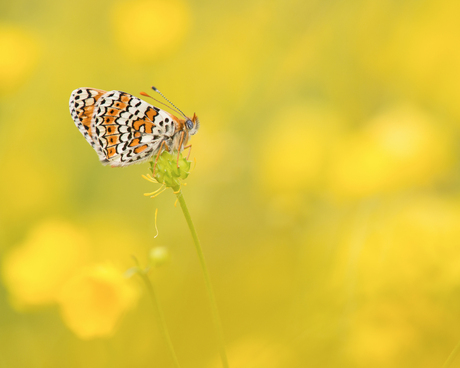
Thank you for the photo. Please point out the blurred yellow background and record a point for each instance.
(325, 194)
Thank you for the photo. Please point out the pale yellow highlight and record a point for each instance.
(147, 30)
(18, 57)
(95, 299)
(35, 270)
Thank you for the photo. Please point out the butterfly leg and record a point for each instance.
(158, 156)
(189, 150)
(178, 149)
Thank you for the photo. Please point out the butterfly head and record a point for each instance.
(192, 124)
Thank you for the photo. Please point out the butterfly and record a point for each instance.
(125, 130)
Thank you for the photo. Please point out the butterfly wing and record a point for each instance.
(128, 130)
(81, 104)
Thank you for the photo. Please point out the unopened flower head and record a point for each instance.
(159, 256)
(169, 171)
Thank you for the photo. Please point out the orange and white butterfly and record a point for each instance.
(125, 130)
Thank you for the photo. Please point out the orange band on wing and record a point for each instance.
(140, 149)
(113, 140)
(111, 152)
(151, 113)
(134, 142)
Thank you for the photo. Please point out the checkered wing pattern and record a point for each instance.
(81, 104)
(124, 129)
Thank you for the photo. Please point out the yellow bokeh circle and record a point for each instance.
(94, 300)
(294, 150)
(400, 148)
(36, 269)
(147, 30)
(18, 57)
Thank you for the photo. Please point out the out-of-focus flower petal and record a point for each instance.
(95, 299)
(18, 58)
(35, 270)
(398, 149)
(147, 30)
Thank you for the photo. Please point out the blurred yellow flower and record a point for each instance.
(258, 352)
(35, 270)
(398, 149)
(425, 233)
(293, 153)
(407, 259)
(147, 30)
(95, 299)
(292, 156)
(381, 332)
(417, 52)
(19, 56)
(51, 182)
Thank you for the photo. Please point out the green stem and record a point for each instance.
(160, 316)
(212, 298)
(452, 356)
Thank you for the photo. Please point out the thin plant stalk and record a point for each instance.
(160, 316)
(212, 298)
(452, 356)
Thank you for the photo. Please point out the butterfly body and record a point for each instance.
(123, 129)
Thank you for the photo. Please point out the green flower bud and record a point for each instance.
(166, 170)
(158, 256)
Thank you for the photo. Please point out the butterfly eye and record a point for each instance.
(189, 124)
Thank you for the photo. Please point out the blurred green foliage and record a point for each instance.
(326, 190)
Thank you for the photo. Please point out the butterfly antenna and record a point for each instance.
(156, 90)
(172, 108)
